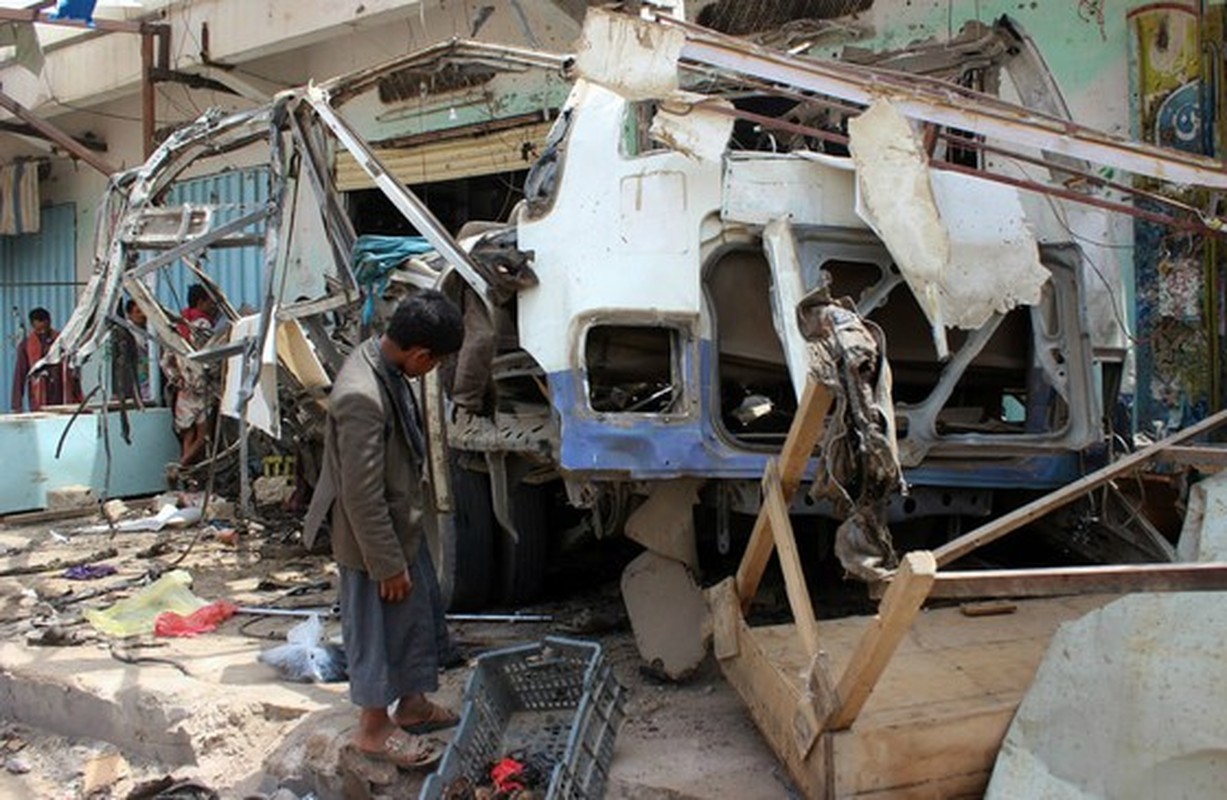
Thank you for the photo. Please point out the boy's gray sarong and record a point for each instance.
(391, 648)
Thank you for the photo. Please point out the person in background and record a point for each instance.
(52, 385)
(130, 374)
(191, 403)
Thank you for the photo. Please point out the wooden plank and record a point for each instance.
(803, 436)
(1021, 516)
(790, 560)
(1051, 582)
(772, 696)
(1194, 456)
(899, 607)
(934, 756)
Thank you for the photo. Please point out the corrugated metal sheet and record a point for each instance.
(501, 151)
(36, 269)
(240, 270)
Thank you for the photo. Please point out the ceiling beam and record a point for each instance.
(44, 16)
(56, 135)
(23, 129)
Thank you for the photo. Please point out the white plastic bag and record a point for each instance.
(306, 657)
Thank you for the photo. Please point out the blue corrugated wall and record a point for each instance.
(37, 269)
(239, 271)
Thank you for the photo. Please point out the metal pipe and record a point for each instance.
(499, 617)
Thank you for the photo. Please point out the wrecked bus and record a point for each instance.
(633, 326)
(661, 344)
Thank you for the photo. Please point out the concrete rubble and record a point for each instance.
(90, 716)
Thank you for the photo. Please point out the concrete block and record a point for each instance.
(668, 614)
(70, 497)
(665, 522)
(272, 490)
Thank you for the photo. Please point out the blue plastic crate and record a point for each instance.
(556, 698)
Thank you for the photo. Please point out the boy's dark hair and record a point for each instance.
(196, 293)
(128, 306)
(427, 319)
(39, 314)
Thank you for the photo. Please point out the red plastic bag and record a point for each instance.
(507, 775)
(202, 620)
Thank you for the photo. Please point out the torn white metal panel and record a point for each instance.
(962, 244)
(994, 258)
(620, 207)
(1129, 702)
(894, 195)
(262, 409)
(688, 124)
(630, 56)
(808, 188)
(788, 286)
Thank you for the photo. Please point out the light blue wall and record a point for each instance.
(36, 270)
(136, 469)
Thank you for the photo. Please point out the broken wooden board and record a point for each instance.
(936, 718)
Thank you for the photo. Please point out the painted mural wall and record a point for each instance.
(1176, 337)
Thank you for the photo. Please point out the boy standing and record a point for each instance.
(374, 469)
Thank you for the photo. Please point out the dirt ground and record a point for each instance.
(119, 717)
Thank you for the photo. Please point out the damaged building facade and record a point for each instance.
(660, 228)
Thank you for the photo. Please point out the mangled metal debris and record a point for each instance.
(634, 321)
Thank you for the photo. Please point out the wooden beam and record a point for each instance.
(1019, 517)
(899, 607)
(725, 614)
(43, 17)
(790, 560)
(1113, 579)
(24, 129)
(149, 120)
(803, 436)
(56, 135)
(1194, 456)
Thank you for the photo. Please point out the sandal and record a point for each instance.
(437, 718)
(406, 752)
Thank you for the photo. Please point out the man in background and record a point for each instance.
(52, 385)
(130, 374)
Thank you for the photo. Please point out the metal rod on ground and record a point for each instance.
(286, 612)
(499, 617)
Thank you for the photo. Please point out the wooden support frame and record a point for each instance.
(823, 725)
(803, 436)
(1112, 579)
(1019, 517)
(898, 609)
(776, 512)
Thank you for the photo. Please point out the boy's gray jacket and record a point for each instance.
(370, 475)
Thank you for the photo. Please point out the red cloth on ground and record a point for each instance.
(202, 620)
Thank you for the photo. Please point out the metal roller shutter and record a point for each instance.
(467, 157)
